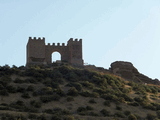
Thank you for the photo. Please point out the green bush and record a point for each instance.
(70, 98)
(118, 108)
(72, 91)
(30, 88)
(126, 90)
(110, 97)
(60, 92)
(4, 92)
(68, 117)
(78, 86)
(36, 104)
(133, 103)
(61, 112)
(104, 112)
(18, 80)
(25, 95)
(107, 103)
(127, 98)
(92, 101)
(11, 89)
(49, 111)
(94, 94)
(41, 117)
(49, 98)
(132, 117)
(72, 77)
(21, 103)
(154, 89)
(99, 81)
(4, 108)
(1, 87)
(119, 114)
(158, 114)
(32, 116)
(87, 84)
(20, 89)
(13, 117)
(31, 80)
(5, 80)
(100, 91)
(57, 111)
(150, 116)
(150, 106)
(140, 100)
(86, 94)
(92, 114)
(56, 117)
(89, 108)
(127, 113)
(47, 91)
(81, 109)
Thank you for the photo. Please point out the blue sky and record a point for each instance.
(112, 30)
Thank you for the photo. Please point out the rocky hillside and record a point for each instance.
(63, 92)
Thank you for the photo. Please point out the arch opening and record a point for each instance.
(56, 57)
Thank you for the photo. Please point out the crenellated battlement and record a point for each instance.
(74, 40)
(56, 45)
(35, 38)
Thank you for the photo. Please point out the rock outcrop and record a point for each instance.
(127, 71)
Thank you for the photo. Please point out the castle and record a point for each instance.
(39, 53)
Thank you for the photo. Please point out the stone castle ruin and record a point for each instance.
(39, 53)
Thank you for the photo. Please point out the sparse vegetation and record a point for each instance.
(76, 91)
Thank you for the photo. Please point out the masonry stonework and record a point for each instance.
(39, 53)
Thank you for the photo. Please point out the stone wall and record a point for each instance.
(39, 53)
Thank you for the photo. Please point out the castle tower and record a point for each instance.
(36, 51)
(39, 53)
(75, 49)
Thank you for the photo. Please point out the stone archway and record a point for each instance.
(56, 56)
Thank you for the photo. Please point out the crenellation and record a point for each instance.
(76, 40)
(30, 38)
(39, 38)
(63, 44)
(71, 39)
(55, 45)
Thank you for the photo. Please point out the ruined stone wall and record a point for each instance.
(39, 53)
(75, 49)
(36, 50)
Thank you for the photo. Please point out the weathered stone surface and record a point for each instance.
(124, 69)
(127, 71)
(40, 53)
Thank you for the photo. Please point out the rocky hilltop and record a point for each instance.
(127, 71)
(64, 92)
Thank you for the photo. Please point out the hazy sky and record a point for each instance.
(112, 30)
